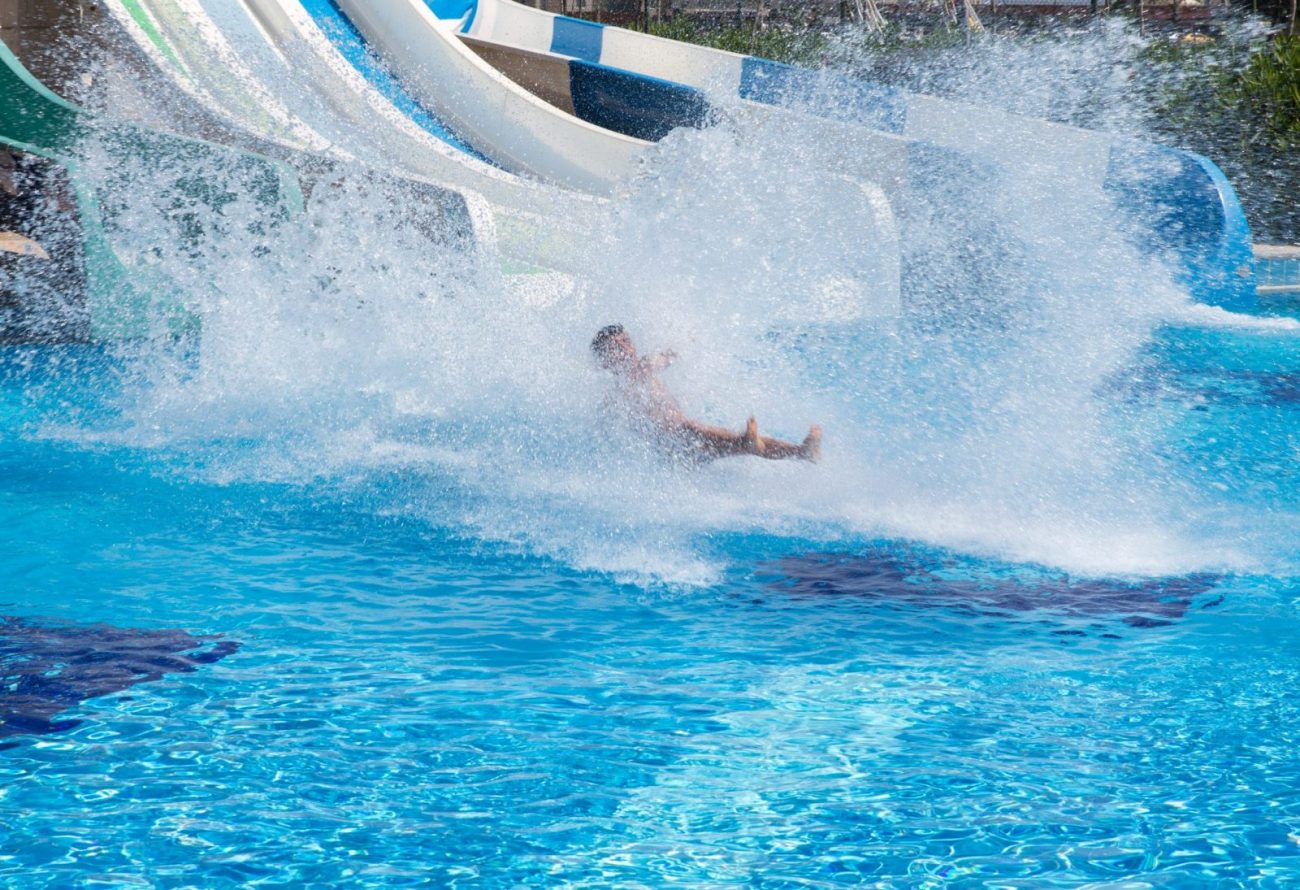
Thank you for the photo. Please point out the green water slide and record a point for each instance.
(138, 197)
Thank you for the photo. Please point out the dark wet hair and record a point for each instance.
(603, 336)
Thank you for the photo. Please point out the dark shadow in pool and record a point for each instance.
(48, 667)
(892, 579)
(1204, 388)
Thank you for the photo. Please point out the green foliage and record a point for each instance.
(1239, 104)
(1269, 88)
(1255, 93)
(779, 42)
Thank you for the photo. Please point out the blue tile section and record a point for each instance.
(1182, 207)
(574, 37)
(1279, 272)
(634, 104)
(454, 9)
(826, 95)
(349, 42)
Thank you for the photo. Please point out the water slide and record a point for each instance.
(1181, 203)
(518, 122)
(275, 69)
(519, 130)
(260, 64)
(168, 37)
(315, 69)
(187, 49)
(531, 121)
(71, 179)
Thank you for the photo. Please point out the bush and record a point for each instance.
(1240, 106)
(779, 42)
(1269, 90)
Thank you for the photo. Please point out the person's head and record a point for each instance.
(613, 348)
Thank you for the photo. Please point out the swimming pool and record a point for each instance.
(410, 702)
(352, 586)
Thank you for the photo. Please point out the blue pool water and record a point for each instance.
(407, 699)
(357, 586)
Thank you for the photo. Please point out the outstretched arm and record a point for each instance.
(660, 361)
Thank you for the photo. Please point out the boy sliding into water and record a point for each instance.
(654, 412)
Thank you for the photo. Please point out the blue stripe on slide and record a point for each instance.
(340, 31)
(454, 10)
(634, 104)
(825, 95)
(574, 37)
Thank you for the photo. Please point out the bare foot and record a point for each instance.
(753, 441)
(812, 445)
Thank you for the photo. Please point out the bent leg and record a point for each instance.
(715, 441)
(809, 449)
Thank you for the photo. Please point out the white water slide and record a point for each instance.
(267, 69)
(276, 69)
(518, 129)
(510, 121)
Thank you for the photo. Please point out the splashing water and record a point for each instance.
(341, 433)
(1083, 76)
(354, 357)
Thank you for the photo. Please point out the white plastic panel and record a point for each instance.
(498, 117)
(712, 71)
(513, 24)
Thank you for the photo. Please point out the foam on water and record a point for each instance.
(357, 359)
(1201, 315)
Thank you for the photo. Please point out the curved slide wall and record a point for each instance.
(503, 119)
(277, 49)
(197, 185)
(875, 279)
(1180, 203)
(187, 60)
(520, 131)
(310, 76)
(897, 174)
(187, 48)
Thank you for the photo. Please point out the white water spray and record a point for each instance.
(353, 352)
